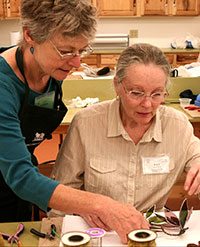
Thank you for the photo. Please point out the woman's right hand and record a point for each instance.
(123, 218)
(105, 212)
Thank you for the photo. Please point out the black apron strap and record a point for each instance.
(19, 61)
(58, 90)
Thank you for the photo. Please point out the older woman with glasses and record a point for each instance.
(132, 148)
(56, 34)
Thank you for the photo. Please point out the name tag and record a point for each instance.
(155, 165)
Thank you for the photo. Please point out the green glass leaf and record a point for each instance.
(183, 213)
(161, 218)
(150, 211)
(157, 220)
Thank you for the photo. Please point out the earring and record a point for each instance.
(32, 49)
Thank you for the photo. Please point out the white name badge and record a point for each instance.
(155, 165)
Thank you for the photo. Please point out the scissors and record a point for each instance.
(15, 237)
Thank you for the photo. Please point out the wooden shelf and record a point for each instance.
(109, 58)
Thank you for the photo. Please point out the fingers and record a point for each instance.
(124, 219)
(192, 182)
(95, 221)
(124, 229)
(120, 217)
(122, 234)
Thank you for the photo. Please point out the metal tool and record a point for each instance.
(41, 234)
(49, 236)
(15, 237)
(53, 230)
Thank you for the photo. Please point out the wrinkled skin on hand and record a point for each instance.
(123, 218)
(192, 182)
(95, 221)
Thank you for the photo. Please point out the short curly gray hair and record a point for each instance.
(71, 18)
(142, 53)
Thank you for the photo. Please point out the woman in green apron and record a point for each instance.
(56, 34)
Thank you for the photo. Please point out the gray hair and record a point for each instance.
(141, 53)
(69, 17)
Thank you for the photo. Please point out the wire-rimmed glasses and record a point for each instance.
(170, 223)
(82, 53)
(139, 95)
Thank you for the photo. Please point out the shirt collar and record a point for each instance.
(115, 127)
(155, 130)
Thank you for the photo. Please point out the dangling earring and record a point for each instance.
(32, 49)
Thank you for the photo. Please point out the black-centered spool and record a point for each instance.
(76, 238)
(142, 234)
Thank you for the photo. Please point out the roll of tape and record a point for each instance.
(95, 232)
(75, 239)
(142, 238)
(96, 235)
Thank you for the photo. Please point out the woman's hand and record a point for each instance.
(192, 182)
(95, 221)
(99, 210)
(123, 218)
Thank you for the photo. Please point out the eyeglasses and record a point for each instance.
(139, 95)
(82, 53)
(170, 223)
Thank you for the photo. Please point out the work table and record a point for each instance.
(28, 240)
(178, 107)
(72, 111)
(26, 237)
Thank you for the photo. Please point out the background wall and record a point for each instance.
(157, 30)
(7, 26)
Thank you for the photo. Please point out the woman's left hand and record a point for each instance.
(192, 182)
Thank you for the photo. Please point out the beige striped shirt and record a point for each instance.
(99, 156)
